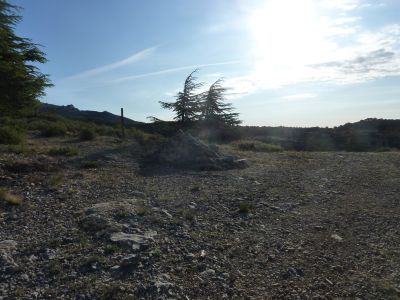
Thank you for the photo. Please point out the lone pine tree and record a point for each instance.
(208, 107)
(186, 106)
(214, 109)
(21, 82)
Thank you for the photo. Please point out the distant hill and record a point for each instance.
(365, 135)
(71, 112)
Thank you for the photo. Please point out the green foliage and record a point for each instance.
(54, 129)
(257, 146)
(144, 138)
(111, 249)
(8, 197)
(17, 149)
(63, 151)
(87, 134)
(244, 208)
(21, 82)
(195, 188)
(208, 107)
(214, 110)
(56, 180)
(11, 136)
(186, 106)
(89, 164)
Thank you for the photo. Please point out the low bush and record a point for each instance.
(257, 146)
(11, 136)
(89, 164)
(87, 134)
(56, 180)
(244, 208)
(54, 129)
(7, 197)
(63, 151)
(17, 149)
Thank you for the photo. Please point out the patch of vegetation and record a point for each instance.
(56, 180)
(91, 263)
(8, 197)
(89, 164)
(244, 208)
(188, 214)
(122, 213)
(156, 252)
(54, 129)
(11, 136)
(143, 210)
(166, 198)
(54, 267)
(87, 134)
(195, 188)
(250, 145)
(111, 249)
(115, 292)
(17, 149)
(63, 151)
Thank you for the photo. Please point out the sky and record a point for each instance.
(285, 62)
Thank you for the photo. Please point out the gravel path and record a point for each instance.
(290, 226)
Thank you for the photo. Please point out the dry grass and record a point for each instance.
(6, 196)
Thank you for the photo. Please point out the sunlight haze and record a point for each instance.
(291, 63)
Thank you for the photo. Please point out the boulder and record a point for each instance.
(183, 151)
(133, 240)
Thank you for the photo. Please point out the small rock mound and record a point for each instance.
(7, 264)
(183, 151)
(111, 219)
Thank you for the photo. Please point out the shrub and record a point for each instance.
(6, 196)
(87, 134)
(17, 149)
(63, 151)
(257, 146)
(54, 129)
(56, 180)
(89, 164)
(11, 136)
(244, 208)
(195, 188)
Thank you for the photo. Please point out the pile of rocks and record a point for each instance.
(183, 151)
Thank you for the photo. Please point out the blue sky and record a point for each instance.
(291, 63)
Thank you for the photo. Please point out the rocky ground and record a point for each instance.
(290, 226)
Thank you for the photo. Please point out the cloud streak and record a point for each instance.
(134, 58)
(299, 96)
(171, 70)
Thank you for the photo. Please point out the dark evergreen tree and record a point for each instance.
(21, 82)
(214, 109)
(186, 106)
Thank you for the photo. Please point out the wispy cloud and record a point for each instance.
(172, 70)
(341, 4)
(136, 57)
(299, 96)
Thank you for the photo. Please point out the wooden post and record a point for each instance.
(122, 123)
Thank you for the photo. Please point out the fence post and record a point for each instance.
(122, 123)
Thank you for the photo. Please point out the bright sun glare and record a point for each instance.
(287, 36)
